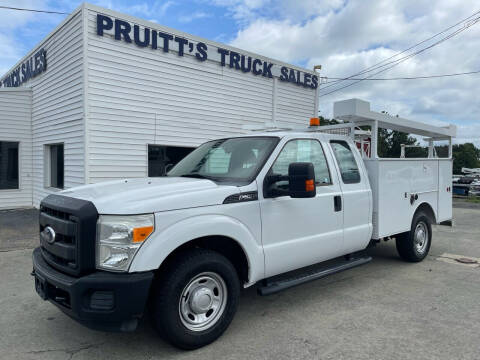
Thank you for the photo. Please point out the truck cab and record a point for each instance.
(267, 208)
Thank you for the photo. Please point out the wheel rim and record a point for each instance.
(421, 238)
(203, 301)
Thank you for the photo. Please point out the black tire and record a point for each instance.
(175, 279)
(409, 247)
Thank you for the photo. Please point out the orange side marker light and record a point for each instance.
(142, 233)
(309, 185)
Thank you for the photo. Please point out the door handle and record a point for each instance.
(337, 203)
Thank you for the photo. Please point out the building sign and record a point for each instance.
(30, 68)
(145, 37)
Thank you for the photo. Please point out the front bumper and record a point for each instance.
(101, 300)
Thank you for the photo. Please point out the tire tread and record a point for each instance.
(405, 242)
(164, 312)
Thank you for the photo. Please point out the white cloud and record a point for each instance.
(194, 16)
(14, 23)
(346, 37)
(10, 19)
(16, 26)
(242, 11)
(10, 53)
(343, 36)
(148, 9)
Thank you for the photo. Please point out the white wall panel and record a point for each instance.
(294, 104)
(57, 106)
(139, 96)
(15, 126)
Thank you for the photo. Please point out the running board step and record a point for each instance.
(273, 286)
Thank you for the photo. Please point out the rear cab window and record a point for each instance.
(346, 161)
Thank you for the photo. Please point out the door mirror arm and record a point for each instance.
(301, 182)
(269, 181)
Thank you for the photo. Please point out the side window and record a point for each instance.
(346, 162)
(304, 150)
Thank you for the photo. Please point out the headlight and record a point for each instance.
(119, 238)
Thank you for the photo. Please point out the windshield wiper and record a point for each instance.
(196, 175)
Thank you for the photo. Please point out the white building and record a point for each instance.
(108, 96)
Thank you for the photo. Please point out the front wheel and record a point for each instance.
(195, 298)
(414, 245)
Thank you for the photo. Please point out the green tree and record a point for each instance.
(465, 155)
(324, 121)
(390, 141)
(389, 146)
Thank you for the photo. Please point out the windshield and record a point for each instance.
(234, 159)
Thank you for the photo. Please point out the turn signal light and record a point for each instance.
(309, 185)
(314, 122)
(141, 234)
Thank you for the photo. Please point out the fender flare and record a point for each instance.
(156, 249)
(431, 209)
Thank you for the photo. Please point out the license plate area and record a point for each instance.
(41, 287)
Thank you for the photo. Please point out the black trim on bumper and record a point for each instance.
(101, 300)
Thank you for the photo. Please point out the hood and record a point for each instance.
(149, 195)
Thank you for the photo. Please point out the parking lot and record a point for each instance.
(387, 309)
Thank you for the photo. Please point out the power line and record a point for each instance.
(376, 66)
(33, 10)
(406, 78)
(405, 58)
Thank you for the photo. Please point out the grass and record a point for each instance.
(470, 199)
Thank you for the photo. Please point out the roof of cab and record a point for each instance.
(297, 134)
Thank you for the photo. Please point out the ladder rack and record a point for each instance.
(357, 113)
(356, 116)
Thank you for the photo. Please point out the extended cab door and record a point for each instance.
(301, 232)
(357, 196)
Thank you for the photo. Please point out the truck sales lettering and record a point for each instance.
(145, 37)
(32, 67)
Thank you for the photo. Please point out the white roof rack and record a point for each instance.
(358, 112)
(347, 129)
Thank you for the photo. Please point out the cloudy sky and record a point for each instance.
(344, 36)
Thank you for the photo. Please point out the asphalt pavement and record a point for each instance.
(387, 309)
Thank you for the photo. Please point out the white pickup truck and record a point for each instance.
(263, 209)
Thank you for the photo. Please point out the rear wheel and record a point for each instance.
(195, 298)
(414, 245)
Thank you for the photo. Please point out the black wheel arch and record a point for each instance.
(224, 245)
(427, 209)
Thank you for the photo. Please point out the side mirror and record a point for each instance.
(168, 167)
(301, 178)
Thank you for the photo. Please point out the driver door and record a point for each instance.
(301, 232)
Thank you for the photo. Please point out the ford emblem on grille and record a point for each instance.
(48, 234)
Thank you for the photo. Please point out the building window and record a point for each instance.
(162, 158)
(55, 166)
(8, 165)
